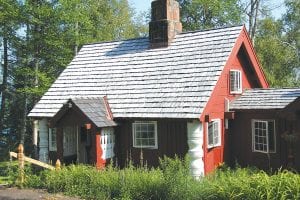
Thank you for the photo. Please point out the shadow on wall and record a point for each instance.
(129, 47)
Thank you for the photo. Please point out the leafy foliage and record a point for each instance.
(203, 14)
(44, 35)
(172, 181)
(278, 57)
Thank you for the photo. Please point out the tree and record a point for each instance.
(277, 56)
(9, 15)
(292, 23)
(51, 32)
(203, 14)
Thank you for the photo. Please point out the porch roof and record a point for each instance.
(262, 99)
(95, 109)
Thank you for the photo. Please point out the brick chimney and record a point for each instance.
(165, 23)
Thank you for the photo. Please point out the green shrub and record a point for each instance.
(171, 181)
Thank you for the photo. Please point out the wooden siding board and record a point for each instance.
(172, 139)
(241, 135)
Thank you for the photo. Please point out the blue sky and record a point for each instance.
(276, 5)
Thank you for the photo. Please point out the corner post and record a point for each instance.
(195, 142)
(44, 143)
(35, 138)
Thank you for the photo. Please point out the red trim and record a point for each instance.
(109, 114)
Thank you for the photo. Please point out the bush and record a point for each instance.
(170, 181)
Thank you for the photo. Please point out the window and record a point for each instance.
(214, 133)
(144, 134)
(235, 82)
(52, 139)
(263, 136)
(107, 142)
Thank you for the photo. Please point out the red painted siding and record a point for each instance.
(242, 58)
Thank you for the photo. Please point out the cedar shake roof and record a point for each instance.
(93, 108)
(171, 82)
(261, 99)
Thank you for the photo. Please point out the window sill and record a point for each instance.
(136, 147)
(236, 92)
(273, 152)
(215, 146)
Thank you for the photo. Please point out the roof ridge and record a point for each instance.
(183, 33)
(84, 98)
(211, 29)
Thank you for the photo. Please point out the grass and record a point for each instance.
(170, 181)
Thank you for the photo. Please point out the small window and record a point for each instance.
(263, 136)
(235, 82)
(214, 133)
(144, 134)
(52, 139)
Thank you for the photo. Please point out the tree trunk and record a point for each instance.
(76, 38)
(4, 84)
(253, 14)
(254, 21)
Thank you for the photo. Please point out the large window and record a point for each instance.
(263, 136)
(144, 134)
(235, 82)
(214, 133)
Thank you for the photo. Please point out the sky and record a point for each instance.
(144, 5)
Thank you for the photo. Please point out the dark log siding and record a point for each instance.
(241, 139)
(171, 136)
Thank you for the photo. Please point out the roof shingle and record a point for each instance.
(172, 82)
(94, 109)
(265, 99)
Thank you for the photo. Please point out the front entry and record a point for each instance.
(70, 144)
(84, 143)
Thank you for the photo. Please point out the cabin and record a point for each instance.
(265, 131)
(145, 98)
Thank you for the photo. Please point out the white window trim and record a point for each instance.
(239, 91)
(155, 134)
(253, 135)
(219, 134)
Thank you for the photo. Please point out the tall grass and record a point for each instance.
(170, 181)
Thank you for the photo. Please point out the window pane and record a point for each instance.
(144, 127)
(151, 128)
(152, 142)
(138, 142)
(210, 134)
